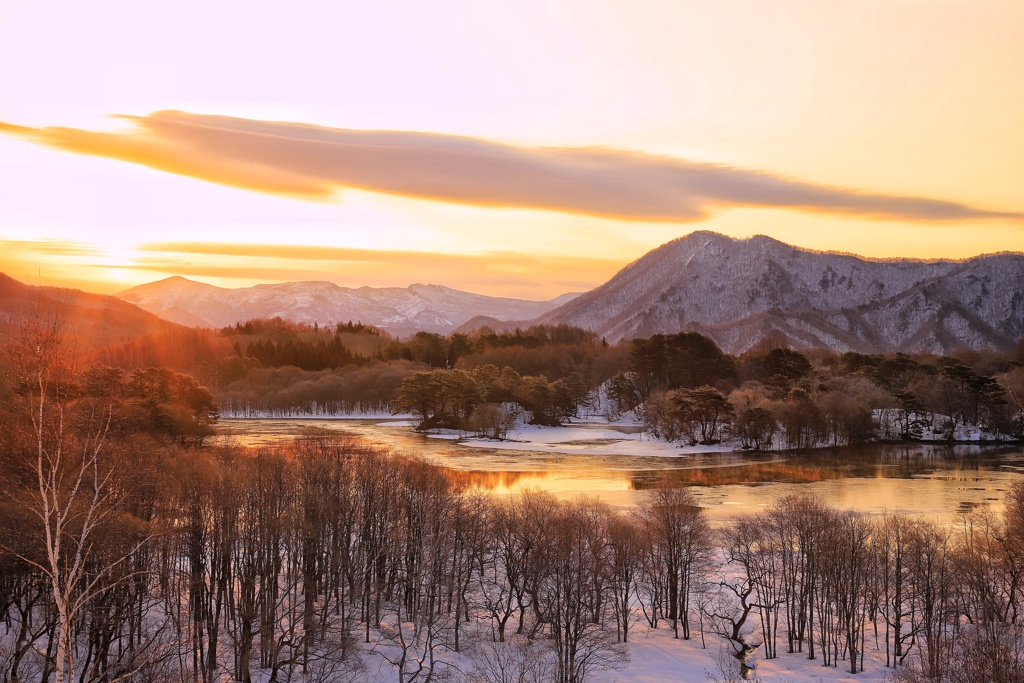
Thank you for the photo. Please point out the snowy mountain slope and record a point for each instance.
(401, 311)
(741, 291)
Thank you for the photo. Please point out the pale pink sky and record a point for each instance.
(828, 103)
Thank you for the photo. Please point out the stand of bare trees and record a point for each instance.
(306, 561)
(845, 584)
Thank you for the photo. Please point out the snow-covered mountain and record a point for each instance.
(741, 291)
(400, 311)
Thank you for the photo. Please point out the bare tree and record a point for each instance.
(727, 612)
(73, 488)
(894, 574)
(680, 542)
(626, 553)
(500, 565)
(517, 661)
(570, 594)
(757, 553)
(797, 522)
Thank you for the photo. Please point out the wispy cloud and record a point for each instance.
(314, 162)
(50, 248)
(301, 252)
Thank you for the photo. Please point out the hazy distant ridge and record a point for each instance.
(399, 310)
(740, 291)
(92, 319)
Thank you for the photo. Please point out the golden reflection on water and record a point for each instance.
(937, 481)
(726, 497)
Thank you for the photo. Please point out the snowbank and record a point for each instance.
(587, 439)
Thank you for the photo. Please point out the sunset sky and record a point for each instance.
(521, 149)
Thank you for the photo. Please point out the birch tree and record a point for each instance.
(68, 480)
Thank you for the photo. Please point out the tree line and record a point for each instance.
(682, 385)
(684, 388)
(282, 368)
(488, 400)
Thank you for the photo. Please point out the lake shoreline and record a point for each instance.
(917, 477)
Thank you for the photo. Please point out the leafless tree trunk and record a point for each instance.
(680, 545)
(74, 491)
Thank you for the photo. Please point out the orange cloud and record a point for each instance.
(303, 252)
(498, 273)
(314, 162)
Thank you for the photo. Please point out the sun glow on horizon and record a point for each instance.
(437, 149)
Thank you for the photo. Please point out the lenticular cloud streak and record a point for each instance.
(315, 162)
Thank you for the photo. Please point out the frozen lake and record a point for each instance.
(938, 481)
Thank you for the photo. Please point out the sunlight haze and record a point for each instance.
(515, 149)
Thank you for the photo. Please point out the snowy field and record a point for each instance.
(655, 656)
(590, 441)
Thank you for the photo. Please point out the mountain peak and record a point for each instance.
(172, 283)
(726, 288)
(765, 239)
(174, 280)
(704, 238)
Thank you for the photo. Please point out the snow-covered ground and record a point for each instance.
(595, 435)
(655, 656)
(935, 427)
(580, 439)
(377, 415)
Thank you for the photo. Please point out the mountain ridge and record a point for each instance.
(398, 310)
(741, 291)
(737, 291)
(94, 319)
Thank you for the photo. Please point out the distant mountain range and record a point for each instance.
(399, 310)
(737, 291)
(742, 291)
